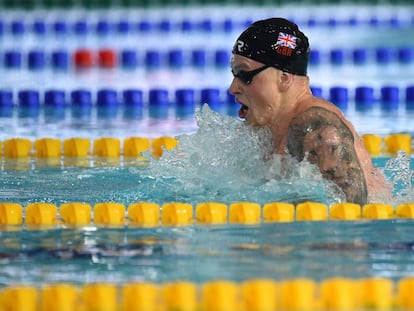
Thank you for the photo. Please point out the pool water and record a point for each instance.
(204, 253)
(218, 159)
(198, 253)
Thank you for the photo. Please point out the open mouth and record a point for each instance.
(243, 111)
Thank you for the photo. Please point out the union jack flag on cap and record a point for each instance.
(276, 42)
(285, 39)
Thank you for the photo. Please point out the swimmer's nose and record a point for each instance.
(233, 89)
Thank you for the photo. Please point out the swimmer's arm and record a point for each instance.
(323, 123)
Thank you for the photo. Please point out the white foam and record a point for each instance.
(227, 161)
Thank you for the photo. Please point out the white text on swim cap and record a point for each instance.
(240, 45)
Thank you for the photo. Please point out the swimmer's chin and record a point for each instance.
(250, 123)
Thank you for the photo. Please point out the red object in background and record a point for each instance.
(107, 58)
(83, 58)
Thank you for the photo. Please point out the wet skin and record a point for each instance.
(318, 135)
(305, 126)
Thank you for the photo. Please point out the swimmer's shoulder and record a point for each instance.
(313, 103)
(318, 114)
(317, 108)
(314, 108)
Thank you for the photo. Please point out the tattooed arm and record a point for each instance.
(328, 142)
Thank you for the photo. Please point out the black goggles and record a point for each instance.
(247, 76)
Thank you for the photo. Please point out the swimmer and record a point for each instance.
(269, 65)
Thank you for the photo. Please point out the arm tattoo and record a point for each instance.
(327, 141)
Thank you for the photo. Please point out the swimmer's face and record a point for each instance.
(259, 98)
(327, 148)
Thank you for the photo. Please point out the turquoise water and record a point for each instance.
(200, 169)
(200, 253)
(131, 184)
(224, 160)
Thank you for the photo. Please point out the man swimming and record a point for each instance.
(269, 65)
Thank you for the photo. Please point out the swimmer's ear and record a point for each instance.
(286, 80)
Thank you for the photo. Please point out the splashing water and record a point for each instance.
(400, 176)
(224, 161)
(227, 161)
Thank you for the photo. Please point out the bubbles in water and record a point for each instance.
(400, 176)
(227, 161)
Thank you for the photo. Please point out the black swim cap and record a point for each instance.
(276, 42)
